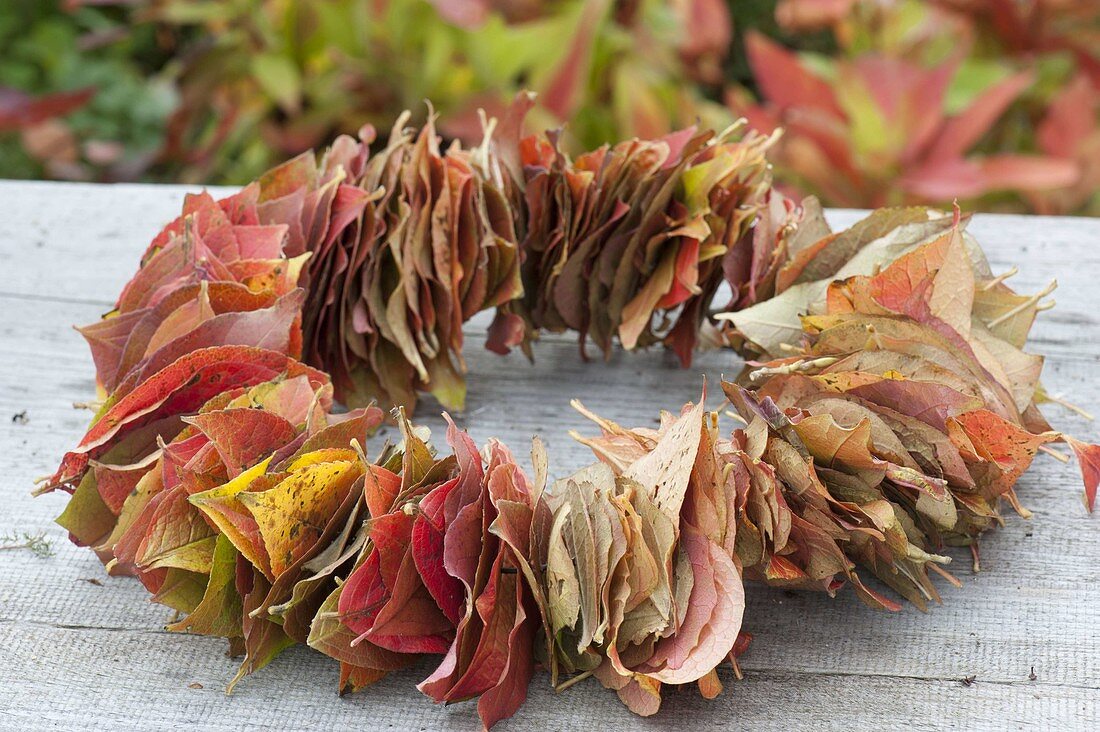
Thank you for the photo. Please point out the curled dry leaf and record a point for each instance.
(407, 244)
(644, 583)
(627, 241)
(397, 249)
(784, 269)
(910, 407)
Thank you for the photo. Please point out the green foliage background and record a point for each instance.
(216, 91)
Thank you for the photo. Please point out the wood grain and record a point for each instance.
(77, 654)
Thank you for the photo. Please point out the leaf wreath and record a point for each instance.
(892, 408)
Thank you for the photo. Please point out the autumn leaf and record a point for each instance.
(623, 234)
(182, 387)
(291, 515)
(219, 612)
(243, 437)
(1089, 458)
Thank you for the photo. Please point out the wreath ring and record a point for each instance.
(887, 410)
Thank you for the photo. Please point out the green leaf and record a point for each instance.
(219, 613)
(279, 78)
(86, 516)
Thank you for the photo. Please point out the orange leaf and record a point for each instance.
(1088, 457)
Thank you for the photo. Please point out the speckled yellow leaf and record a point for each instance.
(223, 508)
(292, 515)
(324, 455)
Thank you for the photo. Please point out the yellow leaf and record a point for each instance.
(222, 506)
(292, 515)
(324, 455)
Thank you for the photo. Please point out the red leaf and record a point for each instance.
(107, 340)
(944, 180)
(495, 609)
(176, 456)
(685, 276)
(19, 109)
(506, 332)
(181, 388)
(710, 626)
(1088, 457)
(1070, 120)
(1029, 172)
(964, 130)
(146, 324)
(243, 437)
(708, 29)
(784, 80)
(561, 92)
(185, 260)
(115, 482)
(427, 549)
(380, 488)
(505, 698)
(1009, 447)
(272, 329)
(410, 621)
(466, 14)
(384, 600)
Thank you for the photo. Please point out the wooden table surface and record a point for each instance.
(80, 650)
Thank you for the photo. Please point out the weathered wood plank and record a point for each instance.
(72, 652)
(130, 680)
(90, 236)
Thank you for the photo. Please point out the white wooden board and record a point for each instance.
(81, 655)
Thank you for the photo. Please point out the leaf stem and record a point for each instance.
(566, 684)
(1001, 278)
(1032, 301)
(1059, 456)
(1071, 407)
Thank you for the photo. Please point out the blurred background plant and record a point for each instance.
(993, 102)
(82, 96)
